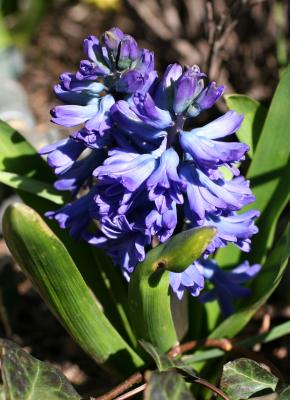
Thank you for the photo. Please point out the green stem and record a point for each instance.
(149, 295)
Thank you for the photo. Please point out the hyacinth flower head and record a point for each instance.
(135, 167)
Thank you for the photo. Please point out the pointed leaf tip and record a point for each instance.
(183, 249)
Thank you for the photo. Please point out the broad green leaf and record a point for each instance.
(149, 295)
(26, 378)
(285, 394)
(269, 175)
(30, 185)
(17, 156)
(116, 289)
(263, 286)
(243, 377)
(270, 168)
(47, 263)
(167, 385)
(20, 157)
(254, 118)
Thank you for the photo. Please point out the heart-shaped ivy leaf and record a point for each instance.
(243, 377)
(167, 385)
(26, 378)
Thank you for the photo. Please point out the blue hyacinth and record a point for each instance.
(135, 168)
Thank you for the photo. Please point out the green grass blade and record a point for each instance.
(269, 172)
(149, 295)
(269, 176)
(274, 334)
(20, 157)
(264, 285)
(254, 118)
(47, 263)
(31, 185)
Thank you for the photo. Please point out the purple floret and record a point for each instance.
(137, 174)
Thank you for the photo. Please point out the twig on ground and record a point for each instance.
(4, 317)
(223, 344)
(118, 390)
(132, 392)
(212, 387)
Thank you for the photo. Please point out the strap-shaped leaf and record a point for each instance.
(47, 263)
(269, 175)
(23, 168)
(27, 378)
(31, 185)
(254, 118)
(264, 285)
(149, 295)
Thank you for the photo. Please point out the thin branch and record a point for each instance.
(132, 380)
(4, 317)
(212, 387)
(223, 344)
(132, 392)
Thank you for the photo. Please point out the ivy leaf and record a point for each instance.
(168, 385)
(33, 186)
(243, 377)
(25, 377)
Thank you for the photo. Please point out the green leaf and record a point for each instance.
(243, 377)
(17, 156)
(30, 185)
(162, 361)
(20, 157)
(26, 378)
(263, 286)
(254, 118)
(116, 290)
(167, 385)
(188, 372)
(270, 169)
(149, 296)
(269, 174)
(47, 263)
(275, 333)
